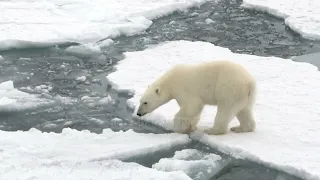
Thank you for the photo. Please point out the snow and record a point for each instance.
(12, 99)
(195, 164)
(79, 155)
(287, 108)
(49, 22)
(301, 16)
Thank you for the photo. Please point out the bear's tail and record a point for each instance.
(252, 93)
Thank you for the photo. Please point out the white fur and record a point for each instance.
(222, 83)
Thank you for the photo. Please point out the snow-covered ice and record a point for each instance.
(287, 108)
(301, 16)
(12, 99)
(49, 22)
(196, 164)
(79, 155)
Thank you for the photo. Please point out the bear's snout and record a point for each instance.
(140, 112)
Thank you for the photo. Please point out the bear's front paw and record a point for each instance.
(239, 129)
(183, 131)
(215, 131)
(186, 131)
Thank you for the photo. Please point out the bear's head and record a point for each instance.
(153, 97)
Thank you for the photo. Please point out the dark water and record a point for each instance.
(223, 24)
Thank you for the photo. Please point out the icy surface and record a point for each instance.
(12, 99)
(47, 22)
(301, 16)
(109, 169)
(79, 155)
(195, 164)
(287, 108)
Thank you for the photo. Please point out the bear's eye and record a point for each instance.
(145, 103)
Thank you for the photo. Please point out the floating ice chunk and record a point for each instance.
(76, 170)
(12, 99)
(81, 78)
(194, 163)
(106, 100)
(106, 43)
(96, 120)
(209, 21)
(116, 120)
(301, 16)
(76, 155)
(1, 58)
(50, 125)
(43, 88)
(81, 22)
(24, 59)
(92, 100)
(68, 123)
(84, 49)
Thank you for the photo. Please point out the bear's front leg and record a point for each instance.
(181, 123)
(185, 121)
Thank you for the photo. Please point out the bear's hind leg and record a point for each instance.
(223, 117)
(247, 123)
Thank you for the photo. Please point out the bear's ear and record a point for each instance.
(158, 90)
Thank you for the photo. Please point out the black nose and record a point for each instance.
(139, 114)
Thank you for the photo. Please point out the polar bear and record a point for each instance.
(221, 83)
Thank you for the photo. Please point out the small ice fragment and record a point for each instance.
(105, 100)
(116, 119)
(106, 43)
(98, 121)
(209, 21)
(24, 58)
(81, 78)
